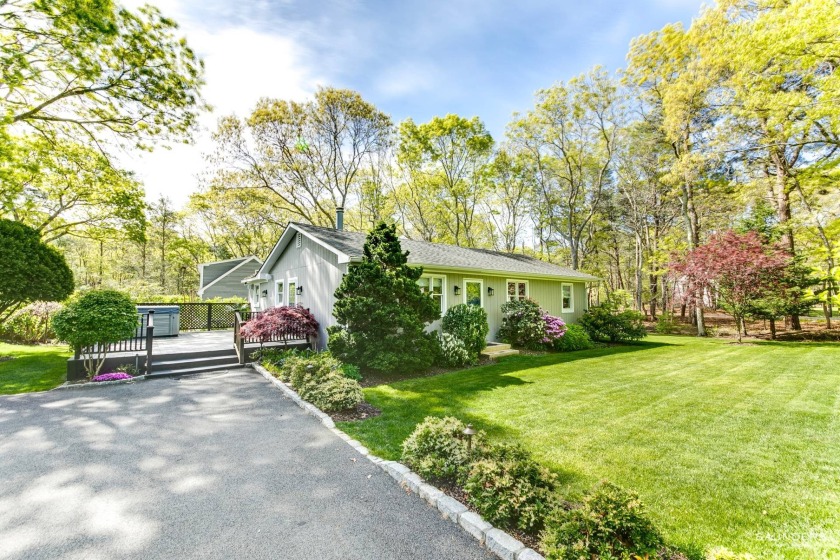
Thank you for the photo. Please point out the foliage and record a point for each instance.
(93, 320)
(31, 324)
(292, 322)
(738, 268)
(329, 145)
(786, 294)
(278, 356)
(467, 323)
(610, 523)
(351, 372)
(437, 449)
(381, 311)
(334, 393)
(453, 352)
(30, 270)
(510, 490)
(130, 369)
(665, 324)
(522, 324)
(317, 377)
(720, 553)
(575, 338)
(116, 376)
(554, 329)
(606, 322)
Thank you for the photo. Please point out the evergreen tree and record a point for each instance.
(381, 310)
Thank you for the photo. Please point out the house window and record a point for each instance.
(567, 293)
(517, 290)
(435, 287)
(278, 293)
(474, 292)
(292, 292)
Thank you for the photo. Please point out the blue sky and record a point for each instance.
(410, 58)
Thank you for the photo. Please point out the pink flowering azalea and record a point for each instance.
(555, 328)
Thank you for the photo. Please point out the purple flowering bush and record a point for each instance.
(555, 328)
(116, 376)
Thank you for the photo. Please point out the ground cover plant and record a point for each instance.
(702, 429)
(24, 369)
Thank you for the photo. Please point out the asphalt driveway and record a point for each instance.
(214, 466)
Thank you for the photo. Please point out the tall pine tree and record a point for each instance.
(381, 311)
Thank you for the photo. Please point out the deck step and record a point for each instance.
(496, 347)
(499, 353)
(187, 363)
(188, 371)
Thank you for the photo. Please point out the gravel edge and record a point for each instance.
(92, 384)
(497, 541)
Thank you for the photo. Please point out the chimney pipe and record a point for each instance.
(339, 218)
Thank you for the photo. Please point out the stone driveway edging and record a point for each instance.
(497, 541)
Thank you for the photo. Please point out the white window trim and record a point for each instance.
(517, 281)
(481, 290)
(282, 292)
(571, 308)
(443, 302)
(289, 282)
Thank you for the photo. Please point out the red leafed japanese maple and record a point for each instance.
(289, 322)
(737, 268)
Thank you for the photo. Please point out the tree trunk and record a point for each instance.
(638, 289)
(783, 214)
(772, 328)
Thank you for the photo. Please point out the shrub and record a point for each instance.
(437, 449)
(304, 372)
(381, 311)
(522, 324)
(554, 329)
(606, 323)
(94, 320)
(453, 352)
(351, 372)
(32, 324)
(509, 489)
(116, 376)
(335, 392)
(665, 324)
(277, 356)
(575, 338)
(468, 323)
(130, 369)
(720, 553)
(610, 523)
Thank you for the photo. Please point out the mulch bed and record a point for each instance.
(361, 412)
(373, 379)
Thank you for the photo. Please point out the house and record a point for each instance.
(308, 262)
(223, 279)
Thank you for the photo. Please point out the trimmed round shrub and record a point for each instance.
(575, 338)
(95, 319)
(469, 324)
(453, 352)
(335, 392)
(31, 324)
(305, 371)
(437, 449)
(522, 324)
(610, 523)
(351, 372)
(509, 489)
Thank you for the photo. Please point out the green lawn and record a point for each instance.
(735, 446)
(33, 368)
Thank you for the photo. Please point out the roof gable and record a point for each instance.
(225, 269)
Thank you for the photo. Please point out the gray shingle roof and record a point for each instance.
(427, 254)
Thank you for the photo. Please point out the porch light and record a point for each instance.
(265, 293)
(490, 291)
(299, 290)
(457, 290)
(469, 432)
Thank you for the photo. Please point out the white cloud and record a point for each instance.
(241, 66)
(408, 77)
